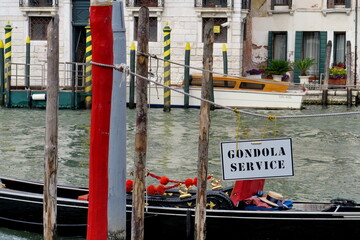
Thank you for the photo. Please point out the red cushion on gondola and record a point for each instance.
(84, 197)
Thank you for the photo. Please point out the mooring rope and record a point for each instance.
(125, 69)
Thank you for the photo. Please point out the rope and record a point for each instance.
(123, 68)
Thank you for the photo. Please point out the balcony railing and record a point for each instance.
(38, 3)
(214, 3)
(145, 3)
(281, 3)
(333, 3)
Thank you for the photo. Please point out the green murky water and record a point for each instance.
(326, 150)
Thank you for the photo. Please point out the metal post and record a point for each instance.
(27, 66)
(88, 75)
(2, 76)
(167, 72)
(117, 143)
(102, 77)
(132, 77)
(225, 59)
(187, 75)
(51, 131)
(7, 84)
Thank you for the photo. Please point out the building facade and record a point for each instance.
(253, 31)
(291, 30)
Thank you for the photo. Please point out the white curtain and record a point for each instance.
(340, 47)
(279, 46)
(311, 43)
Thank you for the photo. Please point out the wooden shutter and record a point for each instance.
(298, 53)
(270, 46)
(348, 3)
(323, 44)
(330, 3)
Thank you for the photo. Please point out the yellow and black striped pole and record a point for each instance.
(132, 77)
(1, 73)
(7, 84)
(88, 69)
(167, 97)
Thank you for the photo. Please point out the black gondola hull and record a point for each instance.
(169, 219)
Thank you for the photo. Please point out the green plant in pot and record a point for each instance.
(304, 65)
(277, 68)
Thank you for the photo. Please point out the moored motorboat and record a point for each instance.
(244, 92)
(170, 215)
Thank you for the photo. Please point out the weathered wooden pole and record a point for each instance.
(187, 75)
(27, 62)
(102, 78)
(349, 75)
(51, 131)
(117, 144)
(137, 221)
(88, 68)
(167, 68)
(326, 77)
(132, 77)
(200, 211)
(2, 72)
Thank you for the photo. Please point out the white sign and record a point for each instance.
(257, 159)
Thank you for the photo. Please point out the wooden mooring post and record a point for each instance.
(138, 204)
(326, 80)
(51, 131)
(200, 211)
(349, 75)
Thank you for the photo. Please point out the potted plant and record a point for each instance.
(339, 65)
(303, 65)
(278, 68)
(255, 72)
(337, 76)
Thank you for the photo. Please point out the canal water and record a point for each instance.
(325, 149)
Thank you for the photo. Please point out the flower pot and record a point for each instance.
(277, 77)
(337, 81)
(304, 79)
(254, 75)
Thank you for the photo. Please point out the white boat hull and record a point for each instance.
(229, 98)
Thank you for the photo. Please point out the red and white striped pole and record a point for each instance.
(102, 40)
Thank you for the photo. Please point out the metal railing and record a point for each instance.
(71, 75)
(38, 3)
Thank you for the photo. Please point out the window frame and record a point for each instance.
(153, 20)
(32, 34)
(336, 46)
(285, 34)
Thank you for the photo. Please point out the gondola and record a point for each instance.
(171, 215)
